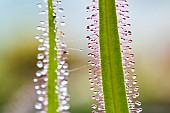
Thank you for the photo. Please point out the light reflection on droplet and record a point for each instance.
(60, 9)
(62, 23)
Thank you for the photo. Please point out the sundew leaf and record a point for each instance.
(111, 61)
(52, 78)
(52, 75)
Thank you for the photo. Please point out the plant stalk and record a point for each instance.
(52, 66)
(111, 61)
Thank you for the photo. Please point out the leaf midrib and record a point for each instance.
(110, 31)
(110, 55)
(51, 91)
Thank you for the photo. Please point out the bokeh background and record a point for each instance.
(18, 51)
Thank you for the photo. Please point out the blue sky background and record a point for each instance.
(149, 18)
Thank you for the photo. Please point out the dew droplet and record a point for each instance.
(93, 97)
(38, 27)
(94, 106)
(42, 12)
(139, 110)
(37, 87)
(38, 106)
(42, 22)
(45, 79)
(91, 88)
(134, 76)
(66, 107)
(64, 82)
(94, 111)
(39, 92)
(41, 48)
(43, 86)
(39, 5)
(58, 2)
(43, 28)
(45, 102)
(66, 73)
(44, 72)
(136, 88)
(41, 98)
(90, 79)
(63, 17)
(40, 64)
(133, 69)
(135, 82)
(65, 66)
(62, 23)
(46, 66)
(130, 41)
(138, 103)
(35, 80)
(44, 92)
(37, 36)
(62, 62)
(60, 9)
(87, 8)
(90, 71)
(41, 39)
(40, 56)
(38, 73)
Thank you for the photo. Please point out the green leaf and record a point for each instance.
(51, 95)
(111, 61)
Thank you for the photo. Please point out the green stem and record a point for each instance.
(52, 96)
(111, 61)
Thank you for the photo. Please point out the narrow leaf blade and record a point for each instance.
(111, 61)
(52, 96)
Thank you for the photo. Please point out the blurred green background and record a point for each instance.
(18, 51)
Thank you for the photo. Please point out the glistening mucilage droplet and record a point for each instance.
(128, 63)
(95, 78)
(62, 70)
(124, 33)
